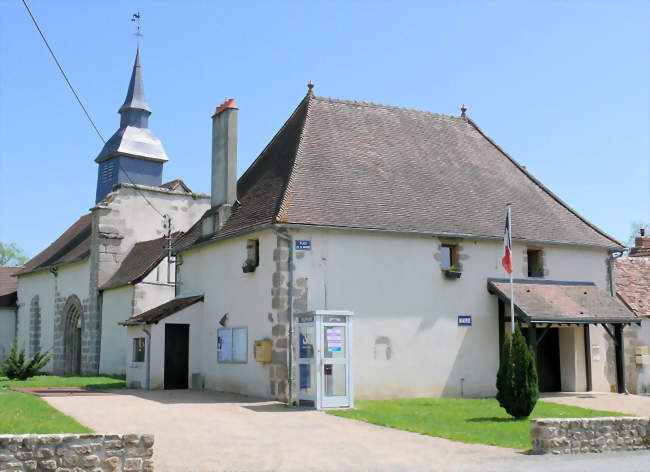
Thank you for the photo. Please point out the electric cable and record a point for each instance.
(84, 108)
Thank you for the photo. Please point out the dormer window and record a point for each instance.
(535, 263)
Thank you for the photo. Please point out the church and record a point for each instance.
(112, 260)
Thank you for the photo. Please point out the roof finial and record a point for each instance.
(463, 111)
(310, 87)
(137, 17)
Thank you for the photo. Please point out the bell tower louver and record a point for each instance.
(133, 149)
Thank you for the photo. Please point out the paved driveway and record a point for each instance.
(208, 431)
(638, 405)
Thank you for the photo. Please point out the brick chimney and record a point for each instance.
(641, 245)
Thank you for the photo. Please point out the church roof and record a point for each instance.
(347, 164)
(73, 245)
(8, 283)
(134, 138)
(178, 185)
(139, 262)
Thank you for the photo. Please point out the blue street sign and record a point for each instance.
(303, 245)
(464, 320)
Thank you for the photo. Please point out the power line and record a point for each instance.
(84, 108)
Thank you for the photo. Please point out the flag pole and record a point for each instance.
(512, 290)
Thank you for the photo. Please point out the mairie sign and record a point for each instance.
(464, 320)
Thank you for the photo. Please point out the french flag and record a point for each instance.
(506, 260)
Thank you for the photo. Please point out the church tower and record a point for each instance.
(133, 154)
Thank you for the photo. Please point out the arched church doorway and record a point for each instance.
(72, 338)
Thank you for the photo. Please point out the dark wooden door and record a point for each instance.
(177, 345)
(548, 362)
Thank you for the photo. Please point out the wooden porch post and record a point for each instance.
(587, 340)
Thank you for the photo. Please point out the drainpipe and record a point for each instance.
(610, 267)
(148, 354)
(618, 329)
(290, 350)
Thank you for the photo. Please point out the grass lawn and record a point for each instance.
(461, 419)
(55, 381)
(21, 413)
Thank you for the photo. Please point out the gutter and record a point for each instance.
(290, 349)
(390, 231)
(610, 271)
(52, 267)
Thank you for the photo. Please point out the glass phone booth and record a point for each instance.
(324, 368)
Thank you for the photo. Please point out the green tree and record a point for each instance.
(517, 384)
(12, 254)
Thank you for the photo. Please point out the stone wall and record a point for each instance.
(76, 452)
(580, 435)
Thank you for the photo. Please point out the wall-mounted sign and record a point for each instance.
(464, 320)
(303, 245)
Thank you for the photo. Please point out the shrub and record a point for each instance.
(517, 387)
(17, 367)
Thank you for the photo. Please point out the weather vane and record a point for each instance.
(137, 17)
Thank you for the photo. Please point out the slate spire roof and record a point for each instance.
(135, 98)
(134, 138)
(347, 164)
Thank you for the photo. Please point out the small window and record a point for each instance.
(253, 251)
(535, 263)
(138, 349)
(448, 256)
(232, 345)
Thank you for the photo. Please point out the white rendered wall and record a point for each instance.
(117, 305)
(136, 371)
(394, 285)
(42, 284)
(7, 331)
(216, 270)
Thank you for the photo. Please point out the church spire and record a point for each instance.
(133, 148)
(135, 98)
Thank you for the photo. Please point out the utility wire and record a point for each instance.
(84, 108)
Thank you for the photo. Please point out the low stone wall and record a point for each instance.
(76, 452)
(580, 435)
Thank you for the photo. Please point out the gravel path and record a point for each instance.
(208, 431)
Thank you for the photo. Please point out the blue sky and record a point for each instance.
(564, 87)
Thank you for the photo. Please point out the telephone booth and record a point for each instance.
(324, 367)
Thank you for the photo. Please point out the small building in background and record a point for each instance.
(633, 289)
(8, 308)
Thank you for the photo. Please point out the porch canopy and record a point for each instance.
(558, 302)
(553, 302)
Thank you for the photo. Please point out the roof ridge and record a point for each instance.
(382, 105)
(280, 212)
(540, 184)
(275, 137)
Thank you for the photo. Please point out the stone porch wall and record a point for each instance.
(77, 452)
(581, 435)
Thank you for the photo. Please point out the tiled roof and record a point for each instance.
(163, 311)
(632, 276)
(8, 285)
(141, 260)
(562, 302)
(360, 165)
(178, 185)
(72, 245)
